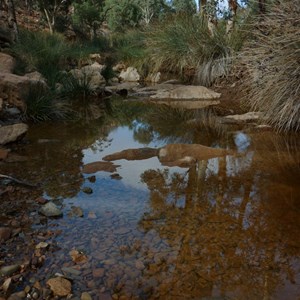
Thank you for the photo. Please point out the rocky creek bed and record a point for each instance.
(217, 227)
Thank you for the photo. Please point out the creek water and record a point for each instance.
(225, 228)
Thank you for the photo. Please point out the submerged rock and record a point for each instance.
(99, 166)
(9, 270)
(51, 210)
(86, 296)
(133, 154)
(60, 286)
(11, 133)
(189, 152)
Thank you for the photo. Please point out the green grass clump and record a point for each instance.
(130, 48)
(273, 60)
(43, 104)
(184, 45)
(42, 51)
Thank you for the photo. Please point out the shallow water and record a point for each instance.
(226, 228)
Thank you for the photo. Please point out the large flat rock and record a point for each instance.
(187, 92)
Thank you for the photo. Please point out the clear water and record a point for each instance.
(226, 228)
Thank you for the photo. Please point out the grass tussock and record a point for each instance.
(184, 45)
(43, 104)
(273, 61)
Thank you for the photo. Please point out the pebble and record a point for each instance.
(17, 296)
(5, 234)
(85, 296)
(9, 270)
(70, 271)
(99, 272)
(87, 190)
(51, 210)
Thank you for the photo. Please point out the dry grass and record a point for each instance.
(273, 61)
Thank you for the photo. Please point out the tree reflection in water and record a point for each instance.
(233, 232)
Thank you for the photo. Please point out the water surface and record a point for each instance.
(226, 228)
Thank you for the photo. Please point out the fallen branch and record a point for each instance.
(17, 180)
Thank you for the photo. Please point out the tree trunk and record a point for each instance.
(211, 12)
(202, 6)
(11, 19)
(232, 4)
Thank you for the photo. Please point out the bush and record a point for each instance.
(130, 48)
(42, 51)
(44, 105)
(273, 60)
(183, 44)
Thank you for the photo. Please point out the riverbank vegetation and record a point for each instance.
(200, 45)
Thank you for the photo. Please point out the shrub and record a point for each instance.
(273, 60)
(130, 48)
(43, 52)
(44, 105)
(183, 44)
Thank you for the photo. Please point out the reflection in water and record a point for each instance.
(224, 228)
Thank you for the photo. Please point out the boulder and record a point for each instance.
(131, 75)
(13, 87)
(36, 77)
(91, 74)
(186, 92)
(7, 63)
(12, 133)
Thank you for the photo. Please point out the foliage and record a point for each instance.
(273, 60)
(43, 52)
(184, 6)
(130, 48)
(183, 44)
(89, 15)
(44, 105)
(122, 14)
